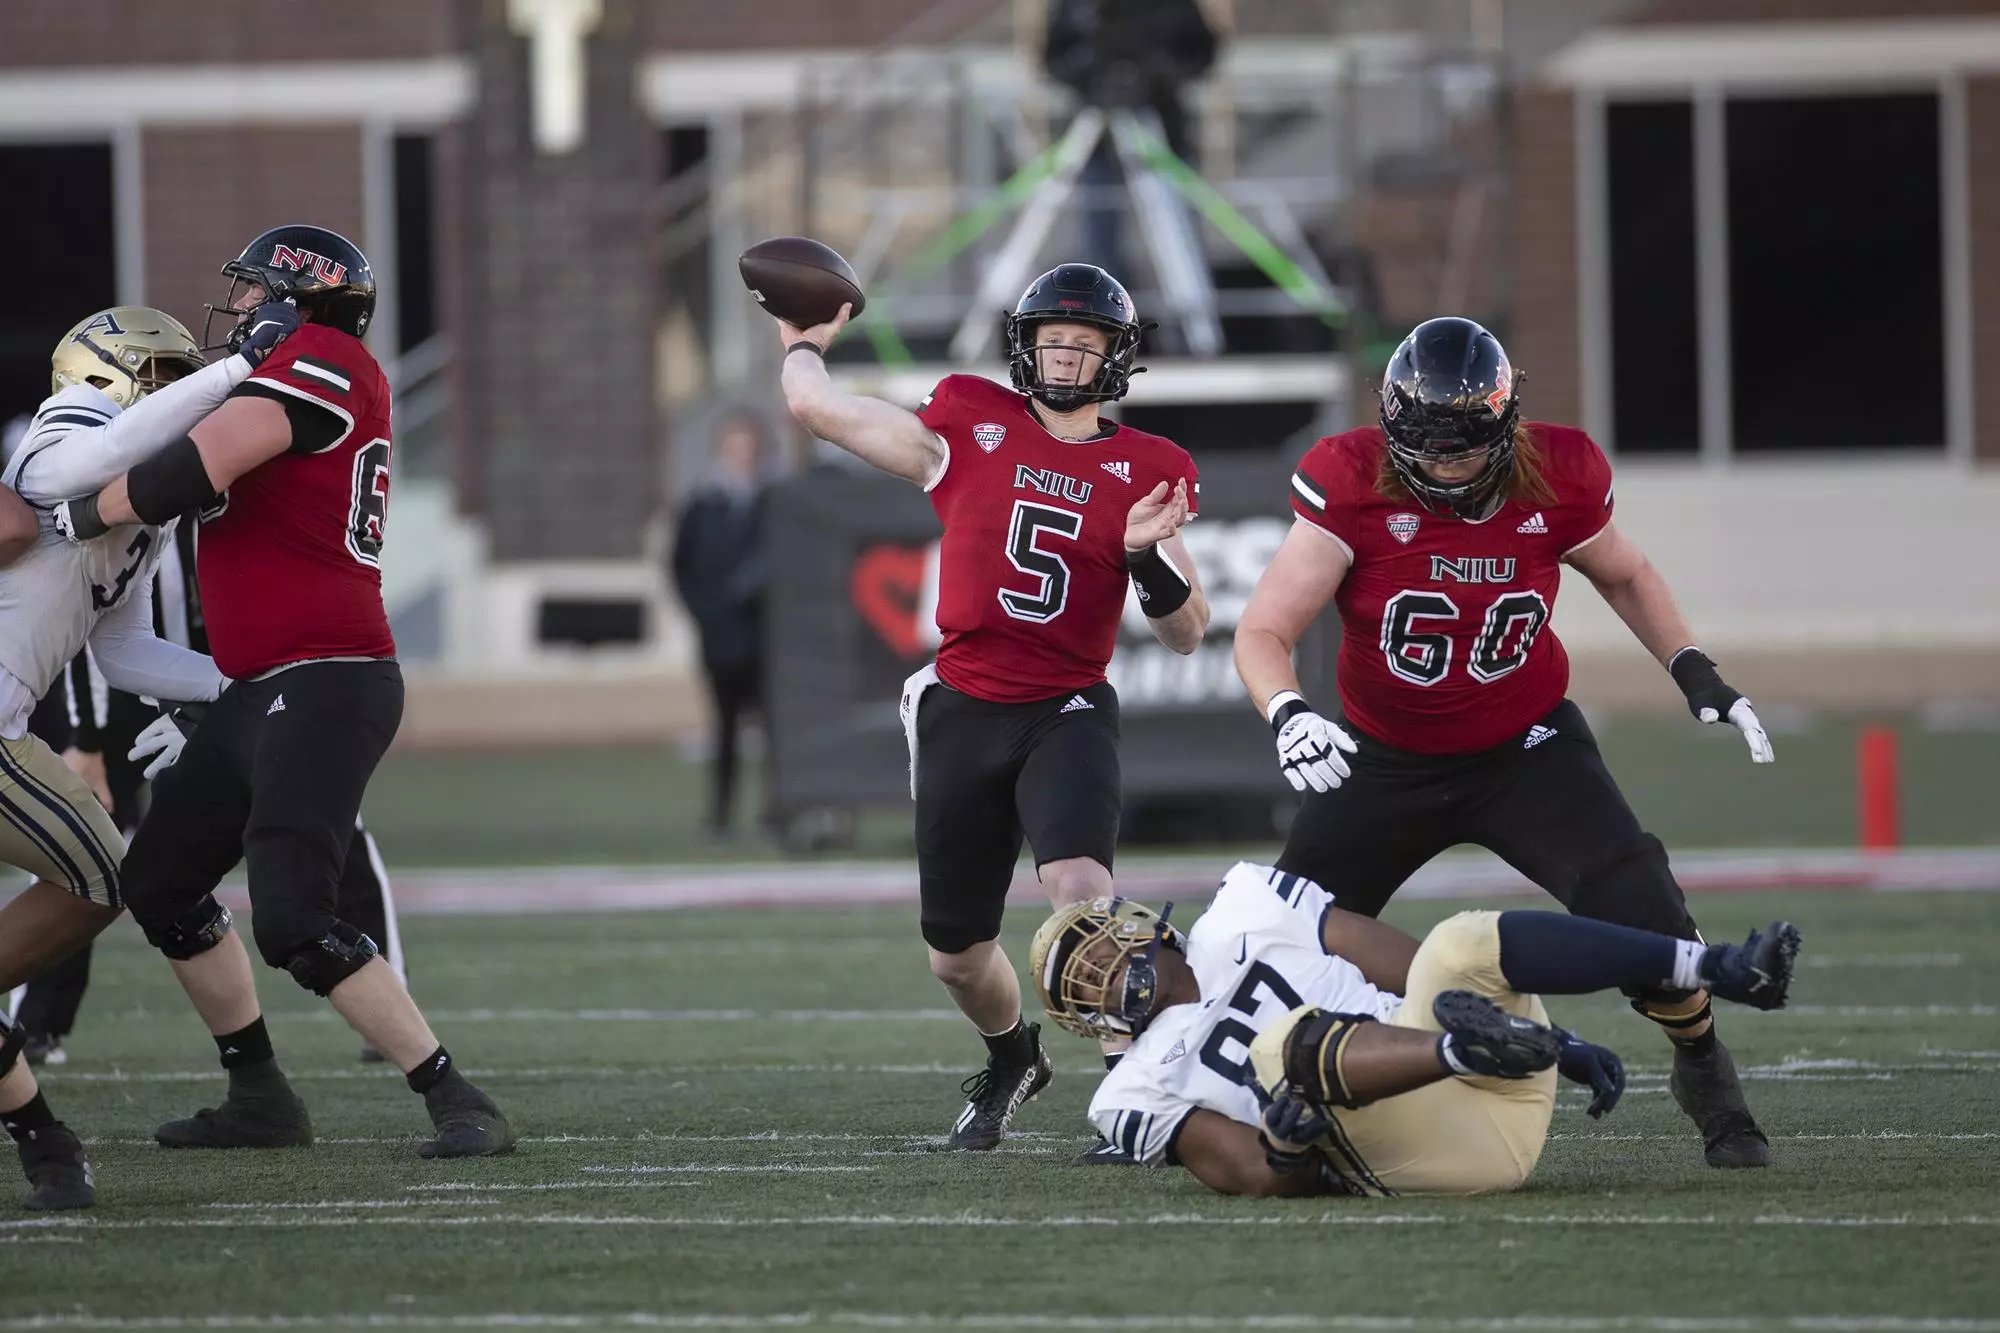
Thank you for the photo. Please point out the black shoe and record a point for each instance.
(58, 1174)
(1107, 1153)
(43, 1048)
(1756, 972)
(468, 1124)
(1705, 1087)
(994, 1094)
(1484, 1039)
(261, 1111)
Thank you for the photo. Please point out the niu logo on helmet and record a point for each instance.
(303, 261)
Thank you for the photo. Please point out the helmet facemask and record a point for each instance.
(124, 353)
(1097, 967)
(1106, 383)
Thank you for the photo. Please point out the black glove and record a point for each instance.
(1291, 1129)
(1596, 1067)
(270, 324)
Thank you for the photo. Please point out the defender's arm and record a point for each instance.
(1228, 1158)
(238, 436)
(79, 453)
(1380, 951)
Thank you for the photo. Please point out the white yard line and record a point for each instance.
(1136, 1323)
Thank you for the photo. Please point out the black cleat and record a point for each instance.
(1756, 972)
(1484, 1039)
(58, 1173)
(994, 1094)
(261, 1111)
(1705, 1087)
(1106, 1153)
(468, 1124)
(43, 1048)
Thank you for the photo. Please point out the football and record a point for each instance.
(800, 280)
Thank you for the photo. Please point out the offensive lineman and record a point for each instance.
(124, 382)
(1047, 513)
(291, 474)
(1440, 535)
(1284, 1046)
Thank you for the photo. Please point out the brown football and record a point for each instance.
(799, 280)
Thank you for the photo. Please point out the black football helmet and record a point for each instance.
(320, 271)
(1081, 294)
(1451, 393)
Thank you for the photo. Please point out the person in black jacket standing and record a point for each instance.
(720, 572)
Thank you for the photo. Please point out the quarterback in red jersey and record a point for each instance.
(291, 477)
(1048, 513)
(1440, 536)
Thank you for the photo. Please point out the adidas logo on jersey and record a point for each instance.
(1121, 470)
(277, 706)
(1179, 1049)
(1536, 735)
(1077, 704)
(1534, 524)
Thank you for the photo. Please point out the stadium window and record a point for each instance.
(1655, 360)
(71, 236)
(416, 240)
(1835, 273)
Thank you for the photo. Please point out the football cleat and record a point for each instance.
(1757, 972)
(1106, 1153)
(58, 1173)
(994, 1094)
(261, 1111)
(1705, 1087)
(1485, 1040)
(468, 1124)
(44, 1048)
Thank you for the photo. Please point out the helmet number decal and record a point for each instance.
(368, 507)
(1258, 977)
(1422, 656)
(1025, 552)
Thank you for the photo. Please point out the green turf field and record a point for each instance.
(732, 1120)
(1693, 785)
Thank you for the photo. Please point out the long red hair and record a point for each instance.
(1527, 484)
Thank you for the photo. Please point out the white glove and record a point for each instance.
(161, 741)
(1309, 752)
(1745, 720)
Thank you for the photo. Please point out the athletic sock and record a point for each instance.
(1547, 953)
(435, 1069)
(23, 1121)
(1012, 1048)
(250, 1045)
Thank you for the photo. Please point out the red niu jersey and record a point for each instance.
(290, 557)
(1445, 643)
(1031, 572)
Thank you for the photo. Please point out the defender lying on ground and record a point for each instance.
(1284, 1046)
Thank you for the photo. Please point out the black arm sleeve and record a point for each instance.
(313, 427)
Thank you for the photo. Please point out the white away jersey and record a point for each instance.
(1256, 952)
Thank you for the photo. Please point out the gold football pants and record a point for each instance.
(52, 826)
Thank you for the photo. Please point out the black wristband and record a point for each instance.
(169, 483)
(1163, 589)
(1694, 673)
(84, 520)
(807, 345)
(1288, 710)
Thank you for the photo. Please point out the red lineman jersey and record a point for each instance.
(290, 558)
(1031, 572)
(1445, 646)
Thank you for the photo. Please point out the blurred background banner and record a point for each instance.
(1752, 245)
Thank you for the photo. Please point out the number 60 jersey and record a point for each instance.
(290, 557)
(1031, 574)
(1258, 955)
(1444, 642)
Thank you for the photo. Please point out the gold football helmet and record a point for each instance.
(1077, 959)
(127, 352)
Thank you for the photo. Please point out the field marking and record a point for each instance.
(1138, 1323)
(272, 1220)
(1810, 960)
(1015, 1137)
(1111, 1323)
(726, 1169)
(1874, 1136)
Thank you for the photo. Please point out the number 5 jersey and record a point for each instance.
(1031, 573)
(290, 557)
(1257, 953)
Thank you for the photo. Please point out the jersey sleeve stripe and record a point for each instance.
(1307, 492)
(944, 464)
(324, 371)
(1333, 537)
(1587, 540)
(346, 417)
(70, 416)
